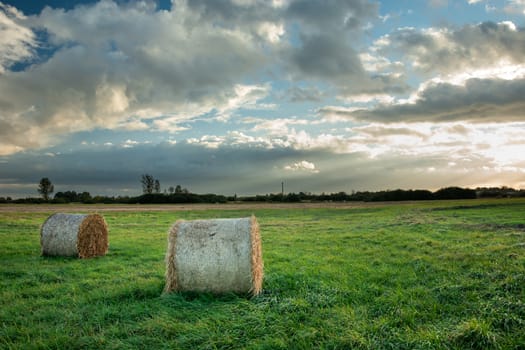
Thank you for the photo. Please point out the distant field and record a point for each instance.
(427, 275)
(52, 208)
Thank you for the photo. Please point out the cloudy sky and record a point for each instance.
(237, 96)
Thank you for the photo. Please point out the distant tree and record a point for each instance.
(85, 197)
(157, 186)
(454, 193)
(148, 183)
(178, 189)
(171, 190)
(66, 197)
(45, 188)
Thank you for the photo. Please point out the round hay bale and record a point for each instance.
(81, 235)
(218, 256)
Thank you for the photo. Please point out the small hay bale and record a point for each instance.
(218, 256)
(81, 235)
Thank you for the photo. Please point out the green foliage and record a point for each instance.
(366, 196)
(433, 275)
(72, 196)
(177, 197)
(152, 195)
(45, 188)
(455, 193)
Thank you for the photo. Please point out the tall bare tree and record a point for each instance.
(148, 183)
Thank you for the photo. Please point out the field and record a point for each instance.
(428, 275)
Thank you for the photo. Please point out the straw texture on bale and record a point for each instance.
(218, 256)
(80, 235)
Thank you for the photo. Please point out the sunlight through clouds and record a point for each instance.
(240, 93)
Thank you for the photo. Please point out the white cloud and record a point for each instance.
(454, 50)
(272, 32)
(17, 42)
(368, 98)
(501, 145)
(169, 124)
(374, 63)
(278, 126)
(244, 96)
(132, 124)
(111, 99)
(489, 8)
(208, 141)
(302, 166)
(127, 66)
(116, 66)
(385, 18)
(130, 143)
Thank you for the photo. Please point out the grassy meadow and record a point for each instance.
(429, 275)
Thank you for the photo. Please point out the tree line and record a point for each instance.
(153, 194)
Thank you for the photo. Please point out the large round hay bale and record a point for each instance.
(81, 235)
(220, 255)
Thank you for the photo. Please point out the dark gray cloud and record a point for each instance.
(227, 169)
(327, 48)
(479, 100)
(327, 57)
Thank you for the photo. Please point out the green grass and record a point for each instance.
(433, 275)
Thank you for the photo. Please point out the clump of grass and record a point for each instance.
(475, 334)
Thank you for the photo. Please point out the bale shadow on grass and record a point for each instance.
(203, 298)
(59, 258)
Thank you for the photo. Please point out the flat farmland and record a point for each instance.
(419, 275)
